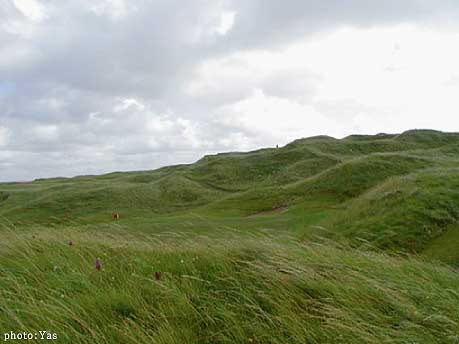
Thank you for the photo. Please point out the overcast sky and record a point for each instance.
(98, 86)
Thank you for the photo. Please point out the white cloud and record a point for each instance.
(395, 78)
(4, 136)
(413, 92)
(32, 9)
(44, 133)
(277, 120)
(129, 103)
(226, 22)
(115, 9)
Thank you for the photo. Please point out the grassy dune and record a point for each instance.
(320, 241)
(263, 289)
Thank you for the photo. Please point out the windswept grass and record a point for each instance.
(260, 290)
(404, 213)
(231, 249)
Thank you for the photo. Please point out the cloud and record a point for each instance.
(31, 9)
(226, 22)
(90, 87)
(259, 114)
(4, 136)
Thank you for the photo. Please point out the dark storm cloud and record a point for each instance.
(69, 71)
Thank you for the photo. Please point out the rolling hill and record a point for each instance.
(320, 241)
(396, 191)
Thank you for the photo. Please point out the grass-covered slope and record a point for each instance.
(238, 240)
(258, 290)
(318, 172)
(408, 211)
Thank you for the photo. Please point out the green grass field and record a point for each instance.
(321, 241)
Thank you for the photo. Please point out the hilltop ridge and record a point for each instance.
(319, 172)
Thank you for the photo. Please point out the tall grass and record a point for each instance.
(258, 289)
(214, 273)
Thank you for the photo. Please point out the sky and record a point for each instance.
(89, 87)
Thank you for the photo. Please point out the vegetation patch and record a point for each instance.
(321, 241)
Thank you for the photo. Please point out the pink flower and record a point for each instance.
(98, 264)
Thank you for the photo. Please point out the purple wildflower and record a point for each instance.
(98, 264)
